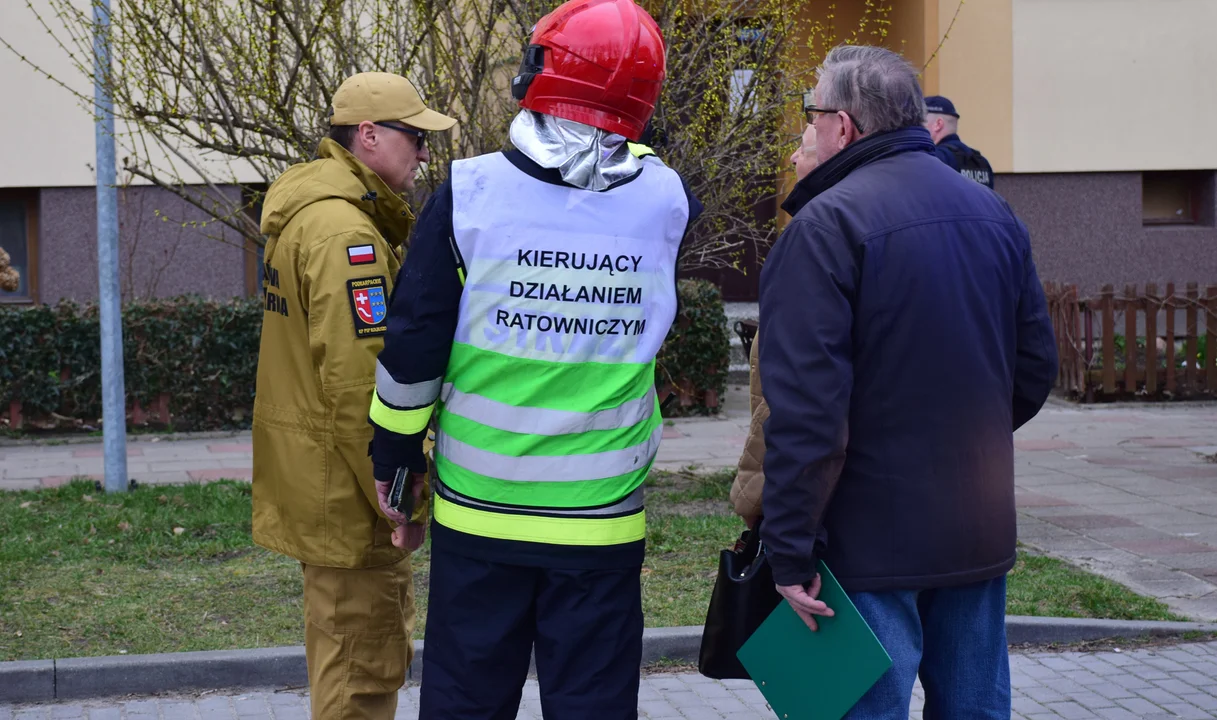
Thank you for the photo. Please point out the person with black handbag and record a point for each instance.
(744, 592)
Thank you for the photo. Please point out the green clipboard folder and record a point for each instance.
(820, 675)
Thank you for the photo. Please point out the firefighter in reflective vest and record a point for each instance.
(538, 289)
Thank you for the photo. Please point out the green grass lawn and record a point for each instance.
(173, 568)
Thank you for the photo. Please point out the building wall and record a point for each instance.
(975, 69)
(1109, 85)
(1086, 228)
(158, 258)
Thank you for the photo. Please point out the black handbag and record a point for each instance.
(744, 596)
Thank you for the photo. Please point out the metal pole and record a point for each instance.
(114, 414)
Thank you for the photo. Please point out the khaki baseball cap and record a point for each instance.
(379, 96)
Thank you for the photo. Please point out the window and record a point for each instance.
(1183, 197)
(253, 196)
(18, 236)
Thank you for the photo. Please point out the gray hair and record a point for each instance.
(877, 87)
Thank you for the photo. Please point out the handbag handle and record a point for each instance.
(752, 547)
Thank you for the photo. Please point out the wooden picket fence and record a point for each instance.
(1151, 358)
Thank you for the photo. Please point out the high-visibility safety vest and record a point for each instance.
(548, 420)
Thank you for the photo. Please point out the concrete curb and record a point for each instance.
(52, 439)
(80, 678)
(1062, 631)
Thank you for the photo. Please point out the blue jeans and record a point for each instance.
(954, 638)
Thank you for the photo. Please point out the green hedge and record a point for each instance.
(696, 355)
(203, 355)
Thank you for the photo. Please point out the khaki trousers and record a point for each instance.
(357, 639)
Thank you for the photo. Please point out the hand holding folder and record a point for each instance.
(806, 603)
(820, 675)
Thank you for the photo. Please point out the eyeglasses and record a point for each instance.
(814, 112)
(419, 135)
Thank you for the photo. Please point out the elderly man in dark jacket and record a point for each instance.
(904, 337)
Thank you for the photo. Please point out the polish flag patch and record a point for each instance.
(361, 254)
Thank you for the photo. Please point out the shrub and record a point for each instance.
(191, 364)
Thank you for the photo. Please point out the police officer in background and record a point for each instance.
(335, 229)
(942, 121)
(539, 287)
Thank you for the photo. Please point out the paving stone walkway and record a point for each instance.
(1129, 492)
(1149, 684)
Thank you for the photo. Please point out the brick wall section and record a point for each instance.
(159, 259)
(1086, 229)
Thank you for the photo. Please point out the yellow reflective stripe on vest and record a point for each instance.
(402, 422)
(639, 150)
(533, 528)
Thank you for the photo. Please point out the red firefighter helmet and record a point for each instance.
(598, 62)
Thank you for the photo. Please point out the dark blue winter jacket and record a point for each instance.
(904, 337)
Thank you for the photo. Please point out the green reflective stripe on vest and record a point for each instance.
(519, 444)
(532, 528)
(538, 494)
(403, 422)
(535, 383)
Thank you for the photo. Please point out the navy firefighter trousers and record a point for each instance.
(484, 619)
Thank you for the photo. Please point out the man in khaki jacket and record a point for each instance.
(750, 478)
(336, 227)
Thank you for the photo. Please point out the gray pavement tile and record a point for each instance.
(1165, 663)
(254, 705)
(1063, 686)
(180, 711)
(713, 690)
(67, 711)
(729, 705)
(1158, 696)
(1188, 712)
(1138, 705)
(1148, 672)
(1114, 688)
(1043, 670)
(1177, 686)
(1042, 694)
(110, 713)
(1083, 677)
(1092, 700)
(666, 682)
(658, 710)
(1116, 713)
(1070, 711)
(1026, 706)
(1204, 701)
(685, 699)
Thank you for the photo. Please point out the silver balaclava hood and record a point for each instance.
(587, 157)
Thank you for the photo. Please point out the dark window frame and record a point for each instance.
(1202, 198)
(29, 274)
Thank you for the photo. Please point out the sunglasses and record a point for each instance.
(420, 136)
